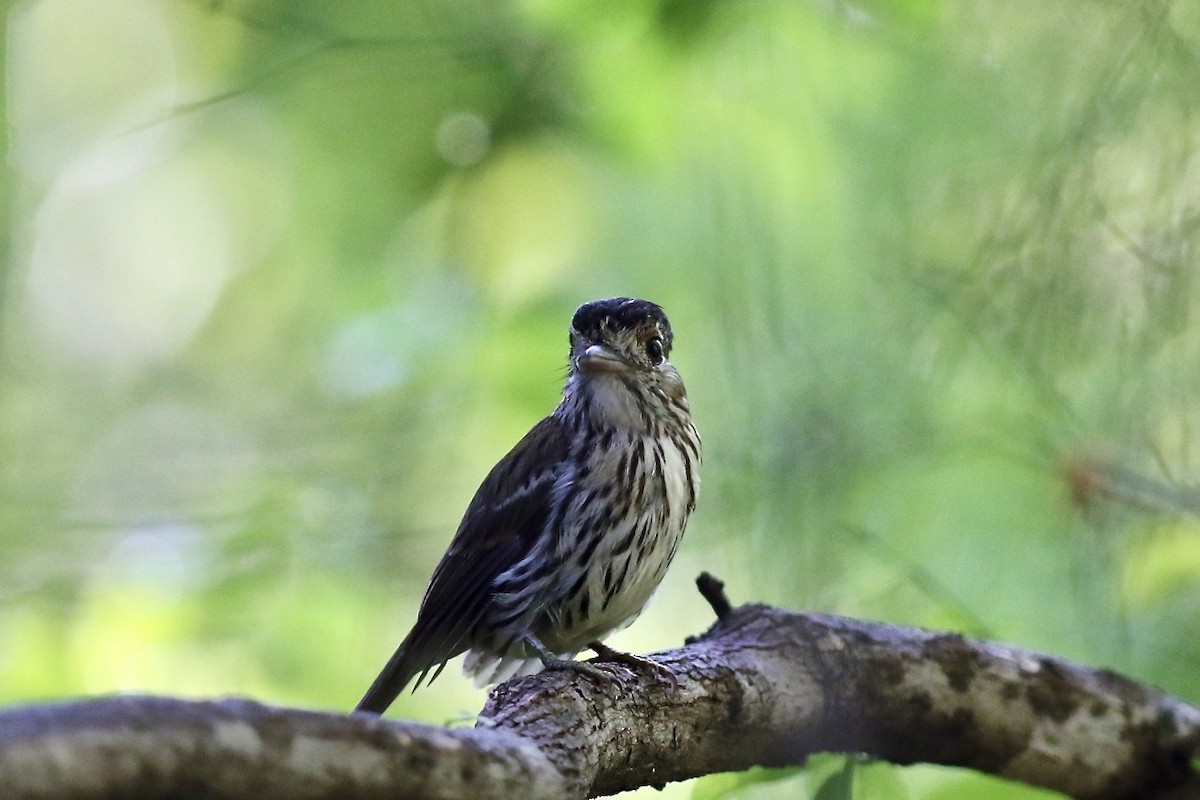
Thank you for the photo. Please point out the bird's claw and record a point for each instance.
(661, 671)
(581, 667)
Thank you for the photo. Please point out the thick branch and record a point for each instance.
(770, 687)
(157, 747)
(764, 686)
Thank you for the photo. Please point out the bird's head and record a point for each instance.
(620, 334)
(619, 355)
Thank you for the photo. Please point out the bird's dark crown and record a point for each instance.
(599, 319)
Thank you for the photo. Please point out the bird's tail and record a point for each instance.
(395, 676)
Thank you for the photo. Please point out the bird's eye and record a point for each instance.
(654, 350)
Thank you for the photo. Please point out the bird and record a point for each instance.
(572, 531)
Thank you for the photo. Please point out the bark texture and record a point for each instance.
(763, 686)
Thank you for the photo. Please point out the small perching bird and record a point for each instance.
(572, 531)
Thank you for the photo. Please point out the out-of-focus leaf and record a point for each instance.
(839, 785)
(728, 785)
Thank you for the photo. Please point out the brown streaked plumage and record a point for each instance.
(572, 531)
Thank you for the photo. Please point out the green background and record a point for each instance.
(284, 279)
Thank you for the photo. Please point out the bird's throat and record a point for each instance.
(608, 399)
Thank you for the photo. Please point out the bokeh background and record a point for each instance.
(283, 279)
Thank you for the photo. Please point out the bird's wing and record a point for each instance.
(499, 528)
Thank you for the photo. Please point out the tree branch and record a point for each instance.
(763, 686)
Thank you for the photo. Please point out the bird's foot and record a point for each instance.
(582, 667)
(551, 661)
(661, 671)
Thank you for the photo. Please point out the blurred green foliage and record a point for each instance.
(284, 279)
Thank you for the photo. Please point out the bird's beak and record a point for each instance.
(598, 358)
